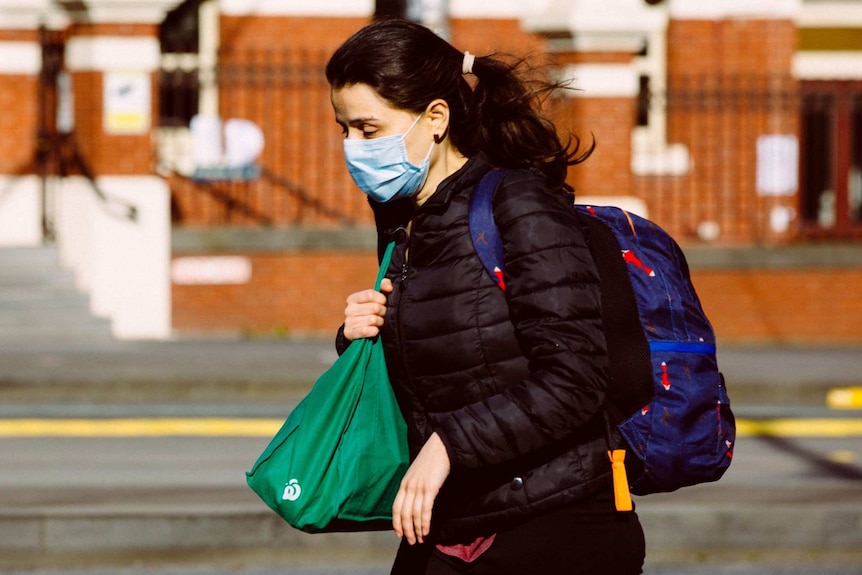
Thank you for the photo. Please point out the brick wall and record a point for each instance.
(285, 93)
(288, 97)
(275, 32)
(19, 103)
(609, 121)
(18, 123)
(730, 46)
(289, 293)
(109, 154)
(729, 82)
(793, 306)
(303, 294)
(482, 37)
(719, 103)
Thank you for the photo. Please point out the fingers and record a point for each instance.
(397, 506)
(363, 314)
(411, 513)
(422, 517)
(368, 296)
(414, 503)
(362, 326)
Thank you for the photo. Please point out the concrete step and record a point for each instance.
(56, 278)
(192, 499)
(42, 295)
(53, 315)
(148, 529)
(28, 257)
(40, 304)
(63, 498)
(22, 263)
(65, 336)
(253, 370)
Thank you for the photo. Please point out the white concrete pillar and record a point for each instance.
(20, 192)
(123, 263)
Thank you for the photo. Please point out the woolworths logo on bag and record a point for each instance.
(292, 490)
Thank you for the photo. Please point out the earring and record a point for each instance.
(438, 138)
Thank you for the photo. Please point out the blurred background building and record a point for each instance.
(181, 158)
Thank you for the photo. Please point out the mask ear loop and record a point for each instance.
(413, 125)
(404, 135)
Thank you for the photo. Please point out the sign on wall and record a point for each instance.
(225, 151)
(777, 165)
(211, 270)
(127, 103)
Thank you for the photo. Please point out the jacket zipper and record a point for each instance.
(401, 347)
(402, 290)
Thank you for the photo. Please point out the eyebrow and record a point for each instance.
(358, 120)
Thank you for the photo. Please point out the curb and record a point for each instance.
(248, 371)
(669, 528)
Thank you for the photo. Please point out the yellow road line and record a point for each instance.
(799, 427)
(844, 398)
(140, 427)
(261, 427)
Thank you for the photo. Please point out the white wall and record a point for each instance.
(720, 9)
(124, 265)
(297, 7)
(363, 8)
(20, 196)
(75, 205)
(829, 65)
(20, 211)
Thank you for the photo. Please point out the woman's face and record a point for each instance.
(364, 115)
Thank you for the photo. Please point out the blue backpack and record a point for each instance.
(666, 395)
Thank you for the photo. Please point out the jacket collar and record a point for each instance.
(467, 176)
(393, 216)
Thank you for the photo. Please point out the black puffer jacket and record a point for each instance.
(513, 382)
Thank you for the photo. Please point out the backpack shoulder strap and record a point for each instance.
(483, 230)
(630, 370)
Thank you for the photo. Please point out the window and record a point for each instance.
(178, 82)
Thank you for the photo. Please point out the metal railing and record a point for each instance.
(57, 153)
(714, 121)
(301, 178)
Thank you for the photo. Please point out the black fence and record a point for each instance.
(717, 119)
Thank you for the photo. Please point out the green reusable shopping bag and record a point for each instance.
(337, 462)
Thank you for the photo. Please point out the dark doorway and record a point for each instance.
(831, 159)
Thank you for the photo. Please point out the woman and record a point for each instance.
(502, 391)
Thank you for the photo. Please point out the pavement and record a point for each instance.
(68, 500)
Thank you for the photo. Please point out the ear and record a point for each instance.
(438, 112)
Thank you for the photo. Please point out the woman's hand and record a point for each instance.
(365, 310)
(411, 512)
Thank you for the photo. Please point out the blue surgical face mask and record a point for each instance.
(381, 169)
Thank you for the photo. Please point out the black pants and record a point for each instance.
(570, 541)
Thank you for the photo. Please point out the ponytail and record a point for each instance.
(512, 129)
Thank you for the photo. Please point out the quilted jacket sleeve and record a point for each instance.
(554, 300)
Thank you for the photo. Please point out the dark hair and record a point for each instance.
(410, 66)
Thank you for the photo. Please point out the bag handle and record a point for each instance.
(384, 265)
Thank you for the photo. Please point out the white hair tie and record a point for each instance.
(467, 65)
